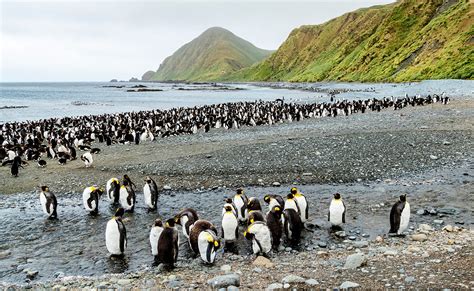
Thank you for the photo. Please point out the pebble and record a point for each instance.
(232, 288)
(365, 235)
(275, 286)
(322, 244)
(409, 279)
(361, 244)
(341, 234)
(419, 237)
(257, 270)
(311, 282)
(390, 253)
(226, 268)
(286, 285)
(425, 228)
(4, 254)
(348, 285)
(263, 262)
(352, 237)
(124, 282)
(438, 221)
(166, 187)
(276, 184)
(354, 261)
(293, 279)
(421, 212)
(433, 157)
(224, 281)
(308, 174)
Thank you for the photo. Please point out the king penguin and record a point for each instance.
(203, 240)
(48, 202)
(87, 159)
(155, 234)
(302, 204)
(90, 198)
(127, 197)
(400, 215)
(150, 191)
(275, 225)
(186, 218)
(292, 225)
(240, 201)
(113, 190)
(337, 211)
(168, 244)
(261, 238)
(230, 225)
(116, 234)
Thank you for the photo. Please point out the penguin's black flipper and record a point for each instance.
(123, 235)
(394, 219)
(344, 213)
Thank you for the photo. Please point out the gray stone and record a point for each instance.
(30, 274)
(409, 279)
(361, 244)
(322, 244)
(286, 285)
(276, 184)
(390, 253)
(438, 221)
(354, 261)
(226, 268)
(224, 281)
(4, 254)
(421, 212)
(311, 282)
(348, 285)
(257, 270)
(365, 235)
(232, 288)
(341, 234)
(124, 282)
(275, 286)
(425, 228)
(174, 284)
(419, 237)
(288, 249)
(352, 237)
(293, 279)
(166, 187)
(433, 157)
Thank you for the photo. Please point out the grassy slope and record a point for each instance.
(214, 53)
(405, 41)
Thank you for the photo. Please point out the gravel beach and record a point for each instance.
(371, 158)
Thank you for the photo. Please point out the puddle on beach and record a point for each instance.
(74, 245)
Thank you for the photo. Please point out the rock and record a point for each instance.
(354, 261)
(390, 253)
(365, 235)
(448, 211)
(58, 275)
(425, 228)
(322, 244)
(348, 285)
(226, 268)
(446, 142)
(419, 237)
(448, 228)
(286, 285)
(288, 249)
(438, 221)
(276, 184)
(257, 270)
(224, 281)
(379, 239)
(262, 261)
(433, 157)
(30, 274)
(311, 282)
(361, 244)
(421, 212)
(4, 254)
(232, 288)
(341, 234)
(166, 187)
(352, 237)
(275, 286)
(124, 282)
(308, 174)
(293, 279)
(409, 279)
(174, 284)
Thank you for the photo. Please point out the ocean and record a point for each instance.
(34, 101)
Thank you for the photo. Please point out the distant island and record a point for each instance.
(409, 40)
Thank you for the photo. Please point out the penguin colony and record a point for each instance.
(283, 220)
(61, 138)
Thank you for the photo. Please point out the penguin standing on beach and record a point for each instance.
(240, 201)
(90, 198)
(16, 165)
(48, 202)
(87, 159)
(302, 203)
(292, 225)
(155, 233)
(127, 197)
(400, 215)
(203, 240)
(150, 191)
(186, 218)
(168, 244)
(229, 225)
(261, 238)
(116, 234)
(337, 211)
(230, 203)
(112, 187)
(275, 225)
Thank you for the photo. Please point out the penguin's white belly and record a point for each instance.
(43, 204)
(154, 238)
(264, 238)
(183, 220)
(85, 196)
(404, 218)
(229, 224)
(239, 204)
(291, 204)
(147, 194)
(273, 203)
(123, 199)
(288, 229)
(112, 237)
(302, 204)
(336, 209)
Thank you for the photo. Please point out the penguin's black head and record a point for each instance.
(120, 212)
(240, 191)
(267, 199)
(158, 222)
(44, 188)
(337, 196)
(170, 222)
(147, 179)
(126, 177)
(290, 196)
(228, 200)
(403, 198)
(294, 190)
(177, 219)
(100, 191)
(228, 208)
(277, 210)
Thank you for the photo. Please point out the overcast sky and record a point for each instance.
(104, 39)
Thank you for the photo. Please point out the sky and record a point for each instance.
(98, 40)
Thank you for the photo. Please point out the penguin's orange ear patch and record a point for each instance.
(216, 243)
(277, 208)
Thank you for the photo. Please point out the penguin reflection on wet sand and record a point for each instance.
(337, 212)
(90, 198)
(400, 216)
(116, 234)
(168, 245)
(48, 202)
(203, 240)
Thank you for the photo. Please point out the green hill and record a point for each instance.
(404, 41)
(215, 53)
